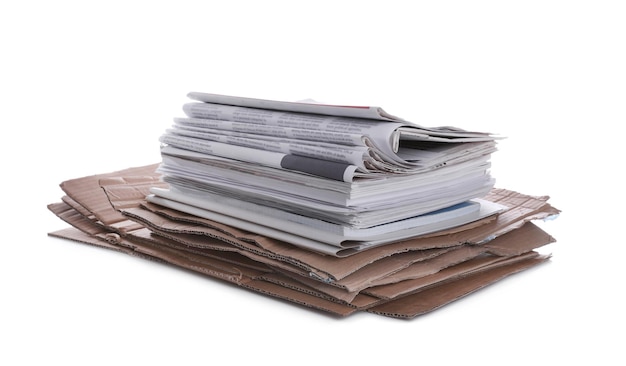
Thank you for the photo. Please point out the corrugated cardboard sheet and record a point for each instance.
(401, 280)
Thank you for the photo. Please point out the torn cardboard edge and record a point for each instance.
(420, 303)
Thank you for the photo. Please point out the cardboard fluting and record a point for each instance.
(403, 279)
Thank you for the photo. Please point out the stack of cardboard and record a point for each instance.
(402, 277)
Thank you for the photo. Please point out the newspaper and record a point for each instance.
(368, 112)
(357, 203)
(332, 178)
(303, 137)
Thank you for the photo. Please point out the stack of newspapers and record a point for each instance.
(339, 208)
(327, 178)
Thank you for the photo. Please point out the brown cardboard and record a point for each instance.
(279, 286)
(111, 210)
(210, 239)
(435, 297)
(73, 234)
(516, 242)
(474, 265)
(359, 301)
(429, 272)
(82, 191)
(242, 275)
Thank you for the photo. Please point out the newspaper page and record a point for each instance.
(330, 200)
(336, 142)
(368, 112)
(382, 138)
(410, 131)
(333, 129)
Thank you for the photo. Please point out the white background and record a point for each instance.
(88, 87)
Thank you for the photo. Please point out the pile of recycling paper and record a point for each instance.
(338, 208)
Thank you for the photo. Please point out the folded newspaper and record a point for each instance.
(337, 142)
(320, 176)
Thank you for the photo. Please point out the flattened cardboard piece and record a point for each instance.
(395, 268)
(73, 234)
(212, 266)
(119, 226)
(83, 223)
(434, 265)
(354, 282)
(184, 233)
(515, 243)
(522, 209)
(359, 302)
(364, 300)
(124, 199)
(429, 266)
(129, 191)
(143, 235)
(437, 269)
(70, 215)
(125, 192)
(327, 288)
(474, 265)
(200, 244)
(147, 236)
(75, 205)
(435, 297)
(203, 264)
(384, 267)
(301, 298)
(82, 190)
(522, 240)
